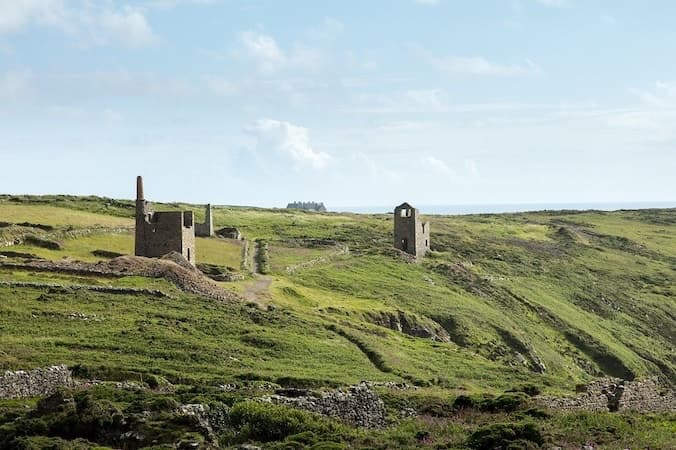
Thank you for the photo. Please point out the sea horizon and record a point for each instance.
(497, 208)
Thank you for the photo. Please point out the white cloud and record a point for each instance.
(663, 95)
(427, 2)
(478, 65)
(270, 57)
(15, 14)
(127, 26)
(413, 100)
(428, 99)
(90, 23)
(263, 49)
(438, 166)
(289, 140)
(16, 84)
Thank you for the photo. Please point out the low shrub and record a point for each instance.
(508, 402)
(264, 422)
(529, 389)
(506, 436)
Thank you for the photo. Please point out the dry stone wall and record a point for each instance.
(358, 406)
(614, 394)
(34, 383)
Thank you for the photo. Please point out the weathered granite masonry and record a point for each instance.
(614, 394)
(206, 229)
(358, 406)
(159, 233)
(411, 235)
(34, 383)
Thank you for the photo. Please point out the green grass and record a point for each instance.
(523, 294)
(59, 217)
(584, 294)
(221, 252)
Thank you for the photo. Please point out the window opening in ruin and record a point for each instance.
(188, 254)
(404, 244)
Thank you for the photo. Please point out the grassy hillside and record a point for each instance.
(547, 298)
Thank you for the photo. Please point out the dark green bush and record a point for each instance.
(435, 407)
(265, 422)
(464, 402)
(529, 389)
(506, 435)
(508, 402)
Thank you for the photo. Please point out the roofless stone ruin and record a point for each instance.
(411, 235)
(159, 233)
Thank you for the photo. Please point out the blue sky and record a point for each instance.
(368, 102)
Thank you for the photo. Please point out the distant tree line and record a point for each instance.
(308, 206)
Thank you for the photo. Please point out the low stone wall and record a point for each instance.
(34, 383)
(614, 394)
(358, 406)
(84, 287)
(647, 396)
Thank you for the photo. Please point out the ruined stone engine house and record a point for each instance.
(411, 235)
(159, 233)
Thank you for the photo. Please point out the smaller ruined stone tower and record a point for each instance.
(206, 229)
(410, 234)
(159, 233)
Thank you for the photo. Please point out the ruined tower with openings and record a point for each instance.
(206, 229)
(411, 235)
(159, 233)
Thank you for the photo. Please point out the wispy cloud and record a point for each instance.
(89, 23)
(291, 141)
(662, 95)
(478, 65)
(16, 14)
(438, 165)
(427, 2)
(270, 57)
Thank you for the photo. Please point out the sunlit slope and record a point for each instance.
(553, 298)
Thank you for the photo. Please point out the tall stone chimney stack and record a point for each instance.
(141, 217)
(139, 188)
